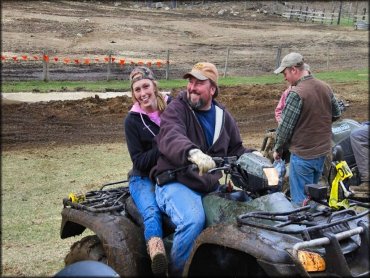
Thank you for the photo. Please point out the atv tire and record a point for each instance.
(88, 248)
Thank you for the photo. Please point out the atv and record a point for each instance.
(249, 230)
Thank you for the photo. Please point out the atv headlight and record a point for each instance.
(311, 261)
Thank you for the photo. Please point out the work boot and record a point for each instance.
(157, 254)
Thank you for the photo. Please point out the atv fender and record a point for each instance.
(265, 247)
(121, 238)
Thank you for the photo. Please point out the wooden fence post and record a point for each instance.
(227, 61)
(327, 57)
(278, 56)
(291, 12)
(45, 66)
(109, 66)
(322, 17)
(340, 12)
(168, 64)
(305, 16)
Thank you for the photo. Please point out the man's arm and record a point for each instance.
(173, 141)
(335, 109)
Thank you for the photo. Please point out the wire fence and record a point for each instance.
(242, 61)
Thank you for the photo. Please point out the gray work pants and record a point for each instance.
(360, 146)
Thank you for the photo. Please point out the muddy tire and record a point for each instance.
(88, 248)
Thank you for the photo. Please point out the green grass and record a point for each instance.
(124, 85)
(34, 183)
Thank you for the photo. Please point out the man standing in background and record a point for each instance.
(305, 125)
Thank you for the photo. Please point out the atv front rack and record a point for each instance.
(309, 225)
(100, 201)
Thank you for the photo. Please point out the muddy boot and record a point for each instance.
(157, 254)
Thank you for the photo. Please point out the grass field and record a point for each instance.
(33, 186)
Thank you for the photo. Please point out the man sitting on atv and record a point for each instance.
(194, 127)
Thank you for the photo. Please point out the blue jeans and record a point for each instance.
(303, 171)
(185, 208)
(142, 192)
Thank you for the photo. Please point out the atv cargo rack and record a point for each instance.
(309, 224)
(101, 201)
(326, 233)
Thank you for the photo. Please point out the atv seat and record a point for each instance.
(235, 195)
(131, 209)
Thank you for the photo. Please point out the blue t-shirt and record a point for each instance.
(207, 120)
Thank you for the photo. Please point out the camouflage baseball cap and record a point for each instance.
(139, 73)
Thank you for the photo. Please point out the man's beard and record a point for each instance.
(196, 105)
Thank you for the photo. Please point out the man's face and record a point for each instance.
(200, 93)
(291, 75)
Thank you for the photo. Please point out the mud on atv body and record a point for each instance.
(248, 233)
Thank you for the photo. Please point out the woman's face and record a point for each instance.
(144, 93)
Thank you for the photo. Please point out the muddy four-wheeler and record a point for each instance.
(249, 230)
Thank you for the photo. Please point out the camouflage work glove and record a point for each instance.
(202, 160)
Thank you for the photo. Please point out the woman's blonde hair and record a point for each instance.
(161, 102)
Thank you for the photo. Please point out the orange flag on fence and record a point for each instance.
(96, 59)
(106, 59)
(87, 61)
(46, 58)
(149, 64)
(77, 61)
(159, 64)
(56, 59)
(3, 57)
(66, 60)
(140, 63)
(121, 61)
(24, 57)
(36, 58)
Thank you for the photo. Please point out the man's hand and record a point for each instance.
(203, 161)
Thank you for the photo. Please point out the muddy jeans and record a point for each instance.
(185, 208)
(142, 192)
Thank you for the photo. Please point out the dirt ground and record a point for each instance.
(87, 27)
(96, 120)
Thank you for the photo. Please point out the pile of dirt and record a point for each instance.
(96, 120)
